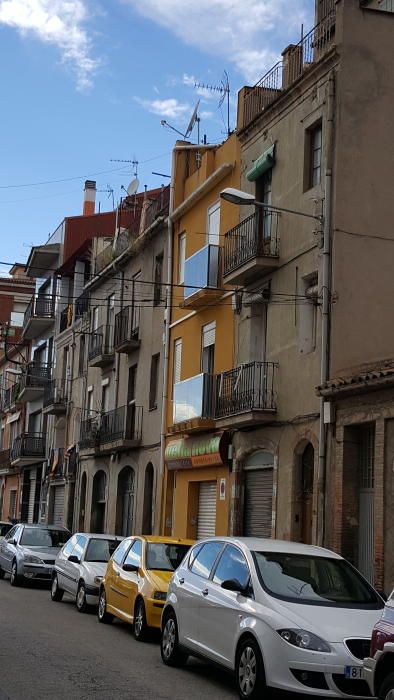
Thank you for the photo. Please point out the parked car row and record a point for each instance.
(276, 614)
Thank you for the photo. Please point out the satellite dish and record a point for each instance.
(193, 120)
(133, 186)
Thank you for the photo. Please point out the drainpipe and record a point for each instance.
(326, 291)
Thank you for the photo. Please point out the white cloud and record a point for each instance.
(170, 108)
(57, 22)
(250, 33)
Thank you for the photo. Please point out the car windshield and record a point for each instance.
(315, 580)
(164, 556)
(100, 550)
(4, 528)
(44, 537)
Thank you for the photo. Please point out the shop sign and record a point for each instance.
(204, 451)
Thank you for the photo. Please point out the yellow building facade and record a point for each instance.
(198, 480)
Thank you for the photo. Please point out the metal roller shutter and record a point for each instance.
(58, 506)
(206, 526)
(258, 503)
(32, 495)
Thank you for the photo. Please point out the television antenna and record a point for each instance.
(224, 90)
(133, 162)
(194, 119)
(109, 190)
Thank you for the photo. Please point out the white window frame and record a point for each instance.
(213, 238)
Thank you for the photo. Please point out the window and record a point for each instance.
(104, 398)
(177, 360)
(81, 361)
(121, 551)
(100, 550)
(264, 194)
(131, 384)
(95, 318)
(214, 224)
(163, 556)
(67, 550)
(110, 309)
(158, 280)
(205, 559)
(232, 565)
(181, 257)
(313, 156)
(43, 537)
(90, 403)
(208, 348)
(10, 534)
(80, 546)
(134, 554)
(154, 377)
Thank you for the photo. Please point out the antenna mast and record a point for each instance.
(224, 90)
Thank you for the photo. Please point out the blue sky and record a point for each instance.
(83, 82)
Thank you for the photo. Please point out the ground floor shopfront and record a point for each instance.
(360, 478)
(117, 493)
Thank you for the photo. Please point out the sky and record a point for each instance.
(85, 82)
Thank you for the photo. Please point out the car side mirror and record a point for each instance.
(233, 584)
(74, 559)
(131, 568)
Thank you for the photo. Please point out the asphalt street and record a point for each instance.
(49, 650)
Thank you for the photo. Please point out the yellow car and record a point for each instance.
(135, 584)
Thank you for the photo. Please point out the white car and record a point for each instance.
(80, 567)
(279, 614)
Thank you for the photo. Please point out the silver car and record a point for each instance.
(4, 528)
(28, 552)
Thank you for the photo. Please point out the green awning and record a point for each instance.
(262, 164)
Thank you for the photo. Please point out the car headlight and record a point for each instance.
(98, 579)
(160, 595)
(304, 640)
(31, 559)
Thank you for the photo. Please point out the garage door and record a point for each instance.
(58, 506)
(206, 526)
(258, 503)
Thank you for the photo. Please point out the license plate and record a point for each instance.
(353, 672)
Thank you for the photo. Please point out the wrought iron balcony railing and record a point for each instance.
(101, 342)
(127, 325)
(297, 59)
(257, 236)
(40, 306)
(55, 394)
(36, 376)
(90, 432)
(82, 305)
(28, 445)
(249, 387)
(124, 423)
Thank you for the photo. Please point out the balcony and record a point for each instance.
(28, 448)
(121, 429)
(39, 316)
(101, 346)
(127, 329)
(57, 464)
(55, 397)
(251, 249)
(297, 60)
(202, 278)
(32, 383)
(193, 404)
(246, 395)
(89, 433)
(82, 305)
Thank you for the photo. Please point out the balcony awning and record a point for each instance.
(262, 164)
(205, 451)
(42, 258)
(14, 417)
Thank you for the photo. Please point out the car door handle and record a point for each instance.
(205, 591)
(181, 581)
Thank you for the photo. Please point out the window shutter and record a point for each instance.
(208, 334)
(177, 360)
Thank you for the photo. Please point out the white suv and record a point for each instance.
(280, 614)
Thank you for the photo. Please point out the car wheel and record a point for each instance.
(141, 628)
(103, 615)
(56, 592)
(169, 643)
(249, 670)
(80, 600)
(15, 579)
(386, 691)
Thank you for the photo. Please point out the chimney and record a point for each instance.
(89, 197)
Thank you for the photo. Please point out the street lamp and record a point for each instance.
(234, 196)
